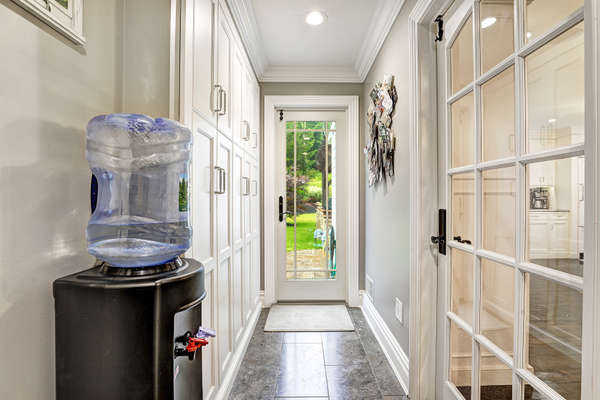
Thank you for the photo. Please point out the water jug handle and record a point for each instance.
(93, 193)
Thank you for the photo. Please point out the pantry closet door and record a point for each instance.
(511, 129)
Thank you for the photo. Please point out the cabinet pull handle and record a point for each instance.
(216, 102)
(245, 128)
(223, 109)
(245, 186)
(254, 187)
(221, 180)
(255, 142)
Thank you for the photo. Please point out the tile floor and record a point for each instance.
(304, 365)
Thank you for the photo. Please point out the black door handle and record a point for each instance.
(440, 240)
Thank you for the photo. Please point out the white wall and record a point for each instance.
(387, 216)
(49, 90)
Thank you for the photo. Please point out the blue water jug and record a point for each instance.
(142, 212)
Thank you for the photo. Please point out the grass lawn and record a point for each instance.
(305, 229)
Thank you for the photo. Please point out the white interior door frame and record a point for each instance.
(423, 135)
(350, 105)
(423, 197)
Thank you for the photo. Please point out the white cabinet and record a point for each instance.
(204, 68)
(223, 61)
(549, 235)
(219, 101)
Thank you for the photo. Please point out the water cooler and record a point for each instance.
(130, 326)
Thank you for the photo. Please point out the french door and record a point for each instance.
(511, 140)
(312, 207)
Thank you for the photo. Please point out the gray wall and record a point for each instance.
(49, 89)
(299, 89)
(387, 220)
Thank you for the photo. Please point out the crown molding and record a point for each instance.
(380, 25)
(243, 15)
(337, 74)
(379, 28)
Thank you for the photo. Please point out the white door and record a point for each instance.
(312, 192)
(511, 120)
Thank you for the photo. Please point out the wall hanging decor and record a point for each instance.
(381, 144)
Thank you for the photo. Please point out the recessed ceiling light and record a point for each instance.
(552, 120)
(529, 35)
(315, 18)
(489, 21)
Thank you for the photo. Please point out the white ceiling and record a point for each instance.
(284, 48)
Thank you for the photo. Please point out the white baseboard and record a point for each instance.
(238, 355)
(391, 348)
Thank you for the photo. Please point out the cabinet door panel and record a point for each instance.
(237, 295)
(224, 200)
(203, 83)
(224, 313)
(246, 198)
(203, 208)
(224, 45)
(238, 163)
(246, 268)
(209, 353)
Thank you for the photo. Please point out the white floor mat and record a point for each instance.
(308, 318)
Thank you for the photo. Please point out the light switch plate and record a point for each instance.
(399, 311)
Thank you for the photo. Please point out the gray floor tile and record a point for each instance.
(255, 382)
(301, 398)
(349, 382)
(302, 337)
(302, 372)
(342, 348)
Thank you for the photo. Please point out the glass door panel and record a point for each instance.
(555, 93)
(515, 210)
(496, 32)
(310, 188)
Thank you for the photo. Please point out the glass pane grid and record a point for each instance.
(491, 70)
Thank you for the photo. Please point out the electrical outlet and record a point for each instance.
(399, 311)
(369, 286)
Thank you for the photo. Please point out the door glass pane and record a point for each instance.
(531, 393)
(462, 285)
(311, 181)
(498, 210)
(290, 220)
(555, 92)
(497, 32)
(463, 136)
(553, 332)
(461, 57)
(64, 3)
(463, 207)
(461, 362)
(497, 304)
(495, 377)
(498, 116)
(543, 15)
(556, 214)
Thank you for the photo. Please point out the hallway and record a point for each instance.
(307, 365)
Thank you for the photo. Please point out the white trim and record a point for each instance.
(74, 32)
(310, 74)
(350, 104)
(379, 28)
(242, 12)
(235, 359)
(391, 348)
(591, 286)
(423, 201)
(380, 25)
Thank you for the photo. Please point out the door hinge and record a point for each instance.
(440, 29)
(281, 115)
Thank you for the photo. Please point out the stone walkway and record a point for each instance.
(312, 259)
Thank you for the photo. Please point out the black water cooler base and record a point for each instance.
(116, 336)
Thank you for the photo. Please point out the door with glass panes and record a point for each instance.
(312, 192)
(511, 140)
